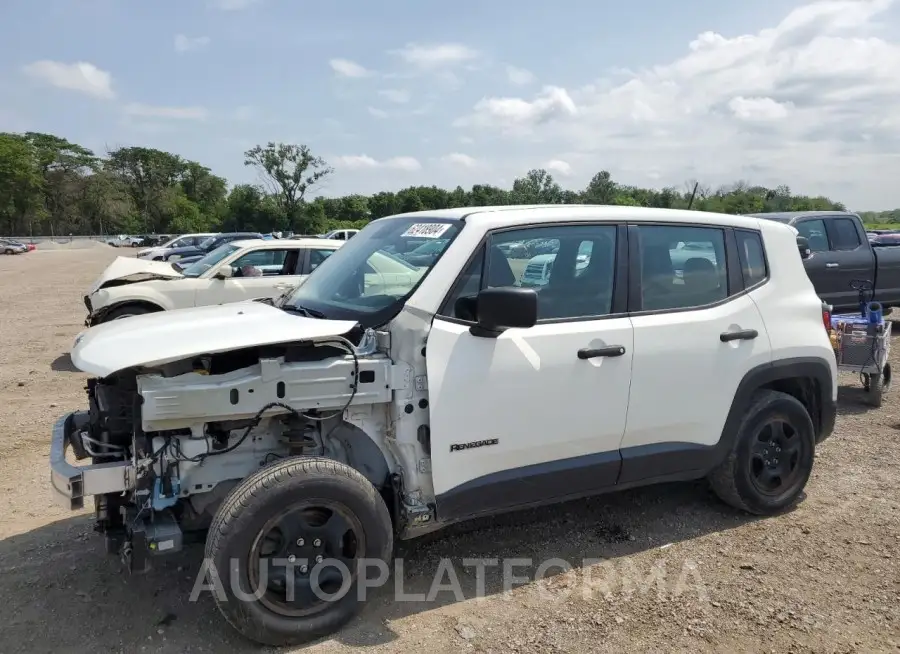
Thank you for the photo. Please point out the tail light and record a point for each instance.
(826, 317)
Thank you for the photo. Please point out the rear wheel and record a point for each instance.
(294, 539)
(772, 457)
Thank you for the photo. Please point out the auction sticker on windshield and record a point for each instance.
(426, 230)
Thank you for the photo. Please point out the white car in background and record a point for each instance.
(341, 234)
(235, 271)
(183, 241)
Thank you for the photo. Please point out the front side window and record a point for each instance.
(573, 276)
(364, 280)
(682, 267)
(203, 264)
(814, 232)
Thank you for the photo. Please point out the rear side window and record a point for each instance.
(844, 235)
(753, 258)
(682, 267)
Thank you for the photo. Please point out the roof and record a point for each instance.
(281, 244)
(790, 216)
(497, 215)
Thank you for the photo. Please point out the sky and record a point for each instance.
(401, 92)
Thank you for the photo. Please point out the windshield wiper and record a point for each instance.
(309, 313)
(175, 266)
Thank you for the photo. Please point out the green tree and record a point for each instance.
(537, 187)
(289, 171)
(148, 174)
(21, 199)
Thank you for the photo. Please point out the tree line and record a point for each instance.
(51, 186)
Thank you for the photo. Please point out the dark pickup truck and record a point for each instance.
(841, 253)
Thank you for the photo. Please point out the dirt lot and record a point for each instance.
(823, 578)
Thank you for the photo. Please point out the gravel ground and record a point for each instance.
(679, 571)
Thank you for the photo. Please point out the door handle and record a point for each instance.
(593, 353)
(832, 265)
(742, 335)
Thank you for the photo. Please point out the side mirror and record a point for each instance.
(498, 309)
(803, 246)
(225, 272)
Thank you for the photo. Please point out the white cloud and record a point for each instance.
(347, 68)
(808, 102)
(559, 166)
(460, 159)
(436, 55)
(515, 113)
(400, 96)
(185, 43)
(139, 110)
(377, 113)
(232, 5)
(363, 162)
(759, 109)
(519, 76)
(80, 76)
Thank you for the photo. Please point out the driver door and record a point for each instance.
(262, 273)
(534, 415)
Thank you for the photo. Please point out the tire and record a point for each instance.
(9, 252)
(241, 524)
(876, 390)
(125, 312)
(743, 479)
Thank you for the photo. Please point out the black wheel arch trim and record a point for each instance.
(818, 369)
(100, 314)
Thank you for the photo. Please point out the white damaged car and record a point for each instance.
(235, 271)
(303, 438)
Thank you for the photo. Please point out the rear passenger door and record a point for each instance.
(696, 334)
(850, 258)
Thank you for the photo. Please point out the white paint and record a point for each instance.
(157, 338)
(529, 389)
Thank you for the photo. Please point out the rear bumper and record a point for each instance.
(827, 420)
(70, 484)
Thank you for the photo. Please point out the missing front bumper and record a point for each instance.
(70, 484)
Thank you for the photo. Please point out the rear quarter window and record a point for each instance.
(752, 257)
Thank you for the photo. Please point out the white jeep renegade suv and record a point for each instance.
(308, 436)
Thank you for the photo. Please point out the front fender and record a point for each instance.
(107, 299)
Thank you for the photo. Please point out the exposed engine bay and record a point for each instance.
(172, 441)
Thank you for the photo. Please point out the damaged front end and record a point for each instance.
(164, 443)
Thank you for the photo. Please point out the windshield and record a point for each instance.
(432, 247)
(203, 264)
(364, 280)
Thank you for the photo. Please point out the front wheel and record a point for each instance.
(289, 546)
(125, 312)
(772, 456)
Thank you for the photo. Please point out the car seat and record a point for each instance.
(658, 277)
